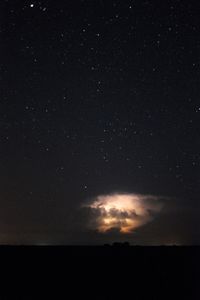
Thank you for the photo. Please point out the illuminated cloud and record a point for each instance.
(124, 212)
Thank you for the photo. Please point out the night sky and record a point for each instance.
(99, 98)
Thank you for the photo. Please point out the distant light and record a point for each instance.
(124, 212)
(31, 5)
(42, 243)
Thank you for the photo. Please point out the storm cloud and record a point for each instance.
(124, 212)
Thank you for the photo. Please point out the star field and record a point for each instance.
(97, 97)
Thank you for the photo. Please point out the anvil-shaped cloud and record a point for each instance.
(122, 211)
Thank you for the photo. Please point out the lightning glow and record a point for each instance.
(124, 212)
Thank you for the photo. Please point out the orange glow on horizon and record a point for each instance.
(124, 212)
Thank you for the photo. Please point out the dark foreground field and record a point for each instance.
(104, 272)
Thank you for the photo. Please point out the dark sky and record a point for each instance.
(98, 97)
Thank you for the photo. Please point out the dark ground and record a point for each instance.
(100, 272)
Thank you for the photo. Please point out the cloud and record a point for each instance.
(123, 212)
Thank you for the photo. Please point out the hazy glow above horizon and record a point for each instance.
(124, 212)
